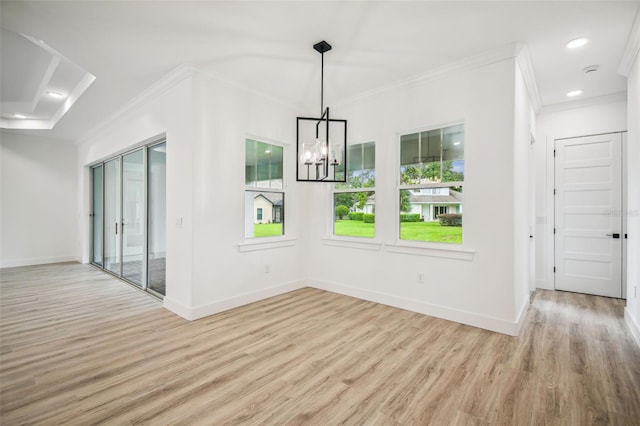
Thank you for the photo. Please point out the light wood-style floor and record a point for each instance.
(81, 347)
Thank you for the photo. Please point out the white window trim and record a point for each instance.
(425, 248)
(265, 243)
(362, 243)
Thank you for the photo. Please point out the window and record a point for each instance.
(430, 189)
(438, 210)
(354, 201)
(264, 193)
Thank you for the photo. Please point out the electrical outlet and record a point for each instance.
(420, 278)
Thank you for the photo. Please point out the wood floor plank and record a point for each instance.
(78, 346)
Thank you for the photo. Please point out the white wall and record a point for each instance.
(227, 269)
(604, 115)
(166, 109)
(632, 311)
(38, 201)
(210, 267)
(479, 290)
(524, 124)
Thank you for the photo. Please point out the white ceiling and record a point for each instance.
(265, 45)
(37, 82)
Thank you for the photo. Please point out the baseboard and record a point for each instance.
(38, 261)
(177, 308)
(464, 317)
(522, 314)
(197, 312)
(634, 327)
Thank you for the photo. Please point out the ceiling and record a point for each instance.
(267, 46)
(39, 85)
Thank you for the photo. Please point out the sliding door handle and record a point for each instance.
(613, 235)
(116, 228)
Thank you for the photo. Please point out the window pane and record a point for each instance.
(453, 154)
(361, 173)
(264, 164)
(354, 214)
(409, 149)
(430, 143)
(97, 222)
(410, 159)
(264, 214)
(369, 156)
(354, 158)
(157, 217)
(431, 214)
(432, 156)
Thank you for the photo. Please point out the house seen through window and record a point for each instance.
(430, 189)
(354, 201)
(264, 193)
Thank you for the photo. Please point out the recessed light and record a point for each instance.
(456, 143)
(19, 116)
(573, 93)
(56, 95)
(577, 42)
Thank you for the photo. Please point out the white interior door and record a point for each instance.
(588, 215)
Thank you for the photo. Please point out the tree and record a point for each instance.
(431, 172)
(362, 198)
(448, 175)
(345, 199)
(405, 200)
(342, 211)
(410, 175)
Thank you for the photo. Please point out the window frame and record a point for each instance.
(419, 244)
(336, 190)
(267, 241)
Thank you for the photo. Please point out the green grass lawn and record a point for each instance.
(354, 228)
(267, 229)
(430, 231)
(412, 231)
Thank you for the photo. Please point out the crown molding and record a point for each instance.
(632, 48)
(583, 103)
(175, 76)
(523, 58)
(489, 57)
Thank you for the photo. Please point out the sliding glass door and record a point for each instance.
(129, 216)
(133, 215)
(97, 229)
(157, 208)
(112, 216)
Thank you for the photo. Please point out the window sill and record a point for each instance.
(357, 243)
(431, 250)
(265, 243)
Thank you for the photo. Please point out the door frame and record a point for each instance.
(144, 285)
(552, 205)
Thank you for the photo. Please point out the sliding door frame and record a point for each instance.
(144, 285)
(146, 222)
